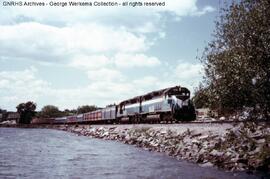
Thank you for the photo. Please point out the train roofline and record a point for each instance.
(152, 95)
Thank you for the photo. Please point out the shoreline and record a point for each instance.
(240, 147)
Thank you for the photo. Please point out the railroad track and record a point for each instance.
(183, 122)
(163, 123)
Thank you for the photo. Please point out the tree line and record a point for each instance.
(28, 110)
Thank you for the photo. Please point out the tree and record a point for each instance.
(26, 111)
(200, 98)
(68, 112)
(50, 111)
(237, 61)
(3, 114)
(86, 108)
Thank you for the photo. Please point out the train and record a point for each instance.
(165, 105)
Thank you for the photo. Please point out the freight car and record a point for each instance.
(163, 105)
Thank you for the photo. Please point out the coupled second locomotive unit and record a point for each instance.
(169, 104)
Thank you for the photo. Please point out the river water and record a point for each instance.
(46, 153)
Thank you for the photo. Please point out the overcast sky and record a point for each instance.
(91, 55)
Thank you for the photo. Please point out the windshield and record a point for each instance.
(183, 96)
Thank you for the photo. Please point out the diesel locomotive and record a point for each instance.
(169, 104)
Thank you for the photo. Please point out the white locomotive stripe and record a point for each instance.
(152, 101)
(145, 102)
(132, 105)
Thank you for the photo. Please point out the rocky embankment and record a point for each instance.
(245, 146)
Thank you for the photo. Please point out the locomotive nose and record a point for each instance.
(184, 111)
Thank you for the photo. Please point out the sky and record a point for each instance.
(73, 56)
